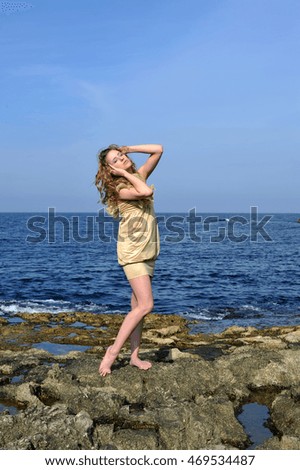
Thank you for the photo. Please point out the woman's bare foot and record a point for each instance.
(144, 365)
(107, 362)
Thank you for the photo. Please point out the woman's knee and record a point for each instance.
(146, 308)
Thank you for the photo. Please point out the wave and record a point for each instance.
(13, 307)
(250, 307)
(201, 314)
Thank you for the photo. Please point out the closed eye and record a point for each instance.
(116, 158)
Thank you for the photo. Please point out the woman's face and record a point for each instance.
(118, 159)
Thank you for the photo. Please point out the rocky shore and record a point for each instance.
(189, 399)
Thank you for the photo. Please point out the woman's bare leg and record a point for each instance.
(141, 286)
(135, 341)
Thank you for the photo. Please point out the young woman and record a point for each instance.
(124, 191)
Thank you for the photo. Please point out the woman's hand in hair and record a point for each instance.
(124, 149)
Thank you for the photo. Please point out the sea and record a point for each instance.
(214, 269)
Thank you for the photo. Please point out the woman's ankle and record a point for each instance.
(134, 356)
(113, 351)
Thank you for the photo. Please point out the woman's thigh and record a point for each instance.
(134, 301)
(142, 289)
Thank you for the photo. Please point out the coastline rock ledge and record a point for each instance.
(189, 399)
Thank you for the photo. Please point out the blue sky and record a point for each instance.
(215, 81)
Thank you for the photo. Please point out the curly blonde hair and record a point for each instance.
(106, 182)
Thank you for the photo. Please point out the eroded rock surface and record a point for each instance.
(189, 399)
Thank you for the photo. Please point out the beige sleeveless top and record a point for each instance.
(138, 236)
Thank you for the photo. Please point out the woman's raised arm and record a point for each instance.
(155, 151)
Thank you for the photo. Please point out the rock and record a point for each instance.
(293, 337)
(204, 424)
(83, 422)
(168, 331)
(6, 369)
(175, 354)
(103, 435)
(135, 439)
(189, 399)
(265, 342)
(280, 371)
(161, 341)
(286, 414)
(285, 443)
(233, 330)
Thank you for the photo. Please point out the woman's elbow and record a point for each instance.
(148, 192)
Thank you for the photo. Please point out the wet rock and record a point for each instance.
(204, 424)
(286, 414)
(284, 443)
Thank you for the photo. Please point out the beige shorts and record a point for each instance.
(133, 270)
